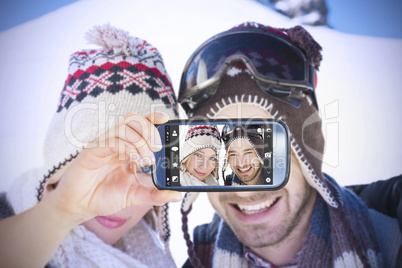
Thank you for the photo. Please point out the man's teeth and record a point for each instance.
(256, 208)
(244, 169)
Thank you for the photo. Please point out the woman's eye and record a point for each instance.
(146, 169)
(197, 154)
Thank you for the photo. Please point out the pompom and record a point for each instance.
(112, 38)
(304, 40)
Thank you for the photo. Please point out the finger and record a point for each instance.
(124, 150)
(144, 178)
(134, 139)
(145, 129)
(157, 117)
(152, 196)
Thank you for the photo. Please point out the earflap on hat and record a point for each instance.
(186, 206)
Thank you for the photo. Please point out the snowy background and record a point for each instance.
(358, 90)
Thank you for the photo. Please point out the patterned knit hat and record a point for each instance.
(126, 75)
(200, 137)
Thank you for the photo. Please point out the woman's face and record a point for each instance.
(201, 163)
(112, 227)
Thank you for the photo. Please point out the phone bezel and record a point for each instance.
(159, 176)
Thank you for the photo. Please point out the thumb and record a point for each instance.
(157, 117)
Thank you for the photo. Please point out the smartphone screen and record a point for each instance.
(222, 155)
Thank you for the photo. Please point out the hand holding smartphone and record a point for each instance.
(222, 155)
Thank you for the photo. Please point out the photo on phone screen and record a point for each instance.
(221, 155)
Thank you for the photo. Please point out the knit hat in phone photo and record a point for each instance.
(200, 137)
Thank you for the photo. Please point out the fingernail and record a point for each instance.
(160, 114)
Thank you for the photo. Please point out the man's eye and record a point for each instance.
(146, 169)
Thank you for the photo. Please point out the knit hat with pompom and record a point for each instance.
(126, 74)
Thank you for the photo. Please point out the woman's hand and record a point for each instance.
(103, 178)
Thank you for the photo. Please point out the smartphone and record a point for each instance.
(222, 155)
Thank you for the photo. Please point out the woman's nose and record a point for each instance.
(202, 164)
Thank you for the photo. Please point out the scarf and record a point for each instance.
(338, 237)
(186, 179)
(137, 248)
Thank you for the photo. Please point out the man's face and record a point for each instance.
(244, 161)
(266, 218)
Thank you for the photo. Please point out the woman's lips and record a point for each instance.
(110, 222)
(201, 174)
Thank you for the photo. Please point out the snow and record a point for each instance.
(358, 83)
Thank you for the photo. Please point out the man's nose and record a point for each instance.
(244, 194)
(243, 161)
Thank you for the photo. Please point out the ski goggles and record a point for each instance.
(252, 130)
(280, 68)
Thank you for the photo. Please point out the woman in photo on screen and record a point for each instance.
(199, 157)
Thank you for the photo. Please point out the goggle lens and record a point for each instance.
(273, 58)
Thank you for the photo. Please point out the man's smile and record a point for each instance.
(256, 208)
(256, 212)
(243, 171)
